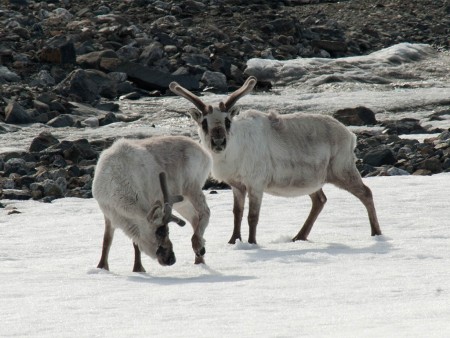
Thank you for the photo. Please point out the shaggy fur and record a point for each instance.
(285, 155)
(126, 187)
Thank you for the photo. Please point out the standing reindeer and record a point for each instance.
(133, 198)
(285, 155)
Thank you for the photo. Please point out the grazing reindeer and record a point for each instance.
(284, 155)
(128, 191)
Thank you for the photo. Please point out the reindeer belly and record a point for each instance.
(292, 191)
(293, 186)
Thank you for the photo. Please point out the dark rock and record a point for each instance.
(16, 114)
(215, 81)
(43, 141)
(379, 157)
(336, 48)
(358, 116)
(15, 194)
(63, 120)
(99, 60)
(432, 165)
(7, 75)
(151, 79)
(59, 50)
(404, 126)
(87, 85)
(15, 165)
(108, 119)
(152, 53)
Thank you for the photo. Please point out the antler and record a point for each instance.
(181, 91)
(168, 202)
(246, 88)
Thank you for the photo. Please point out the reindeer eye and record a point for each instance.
(227, 124)
(205, 126)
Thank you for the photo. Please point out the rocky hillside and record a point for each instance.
(55, 54)
(199, 43)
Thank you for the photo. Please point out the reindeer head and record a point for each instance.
(160, 215)
(214, 122)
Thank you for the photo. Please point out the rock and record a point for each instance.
(59, 50)
(43, 79)
(87, 85)
(43, 141)
(335, 48)
(215, 81)
(152, 53)
(15, 194)
(7, 75)
(91, 122)
(63, 120)
(432, 165)
(379, 157)
(102, 60)
(358, 116)
(15, 165)
(393, 171)
(16, 114)
(151, 79)
(108, 119)
(404, 126)
(54, 189)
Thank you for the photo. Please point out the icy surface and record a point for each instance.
(405, 80)
(341, 283)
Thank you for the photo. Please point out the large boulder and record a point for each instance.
(153, 79)
(87, 85)
(16, 114)
(358, 116)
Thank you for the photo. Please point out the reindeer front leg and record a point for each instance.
(254, 207)
(107, 241)
(239, 193)
(137, 259)
(196, 211)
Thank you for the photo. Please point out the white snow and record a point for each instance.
(341, 283)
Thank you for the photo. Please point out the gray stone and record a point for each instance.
(43, 141)
(59, 50)
(63, 120)
(358, 116)
(379, 157)
(16, 114)
(88, 85)
(7, 75)
(215, 81)
(151, 79)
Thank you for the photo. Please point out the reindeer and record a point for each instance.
(131, 197)
(284, 155)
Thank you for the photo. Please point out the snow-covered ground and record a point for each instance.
(341, 283)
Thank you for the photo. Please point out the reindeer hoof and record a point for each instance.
(199, 260)
(233, 239)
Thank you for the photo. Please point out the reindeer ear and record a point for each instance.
(196, 114)
(234, 111)
(156, 214)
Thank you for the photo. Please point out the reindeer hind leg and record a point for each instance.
(318, 200)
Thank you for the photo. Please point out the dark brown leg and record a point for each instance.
(364, 194)
(137, 260)
(238, 211)
(354, 185)
(254, 207)
(318, 201)
(107, 241)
